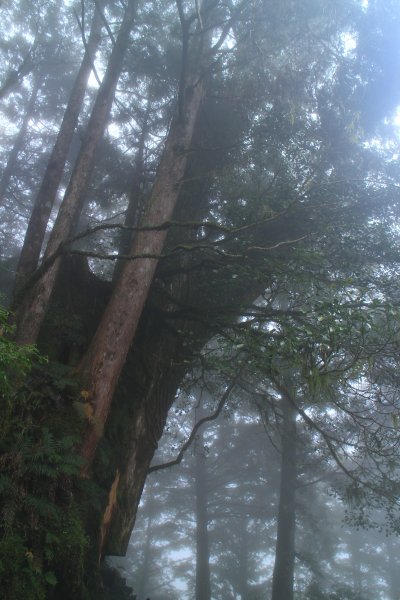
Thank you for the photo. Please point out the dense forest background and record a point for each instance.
(199, 268)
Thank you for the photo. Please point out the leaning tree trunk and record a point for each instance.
(283, 575)
(46, 196)
(102, 365)
(12, 161)
(32, 309)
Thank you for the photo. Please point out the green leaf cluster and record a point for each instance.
(42, 496)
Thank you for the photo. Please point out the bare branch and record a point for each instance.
(212, 417)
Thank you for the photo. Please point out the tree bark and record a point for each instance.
(283, 575)
(12, 161)
(46, 196)
(30, 313)
(101, 367)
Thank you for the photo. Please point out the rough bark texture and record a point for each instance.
(31, 312)
(153, 371)
(283, 575)
(102, 365)
(46, 196)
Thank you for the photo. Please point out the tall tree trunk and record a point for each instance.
(101, 367)
(283, 575)
(46, 196)
(30, 313)
(203, 585)
(12, 161)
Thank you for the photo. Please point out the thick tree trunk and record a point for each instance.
(283, 575)
(12, 161)
(103, 363)
(46, 196)
(152, 373)
(30, 313)
(203, 585)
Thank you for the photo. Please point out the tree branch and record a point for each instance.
(85, 44)
(106, 25)
(212, 417)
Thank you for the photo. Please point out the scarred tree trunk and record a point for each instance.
(283, 576)
(46, 196)
(30, 313)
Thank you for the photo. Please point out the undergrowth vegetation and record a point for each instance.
(43, 499)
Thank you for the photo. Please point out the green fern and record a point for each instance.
(42, 536)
